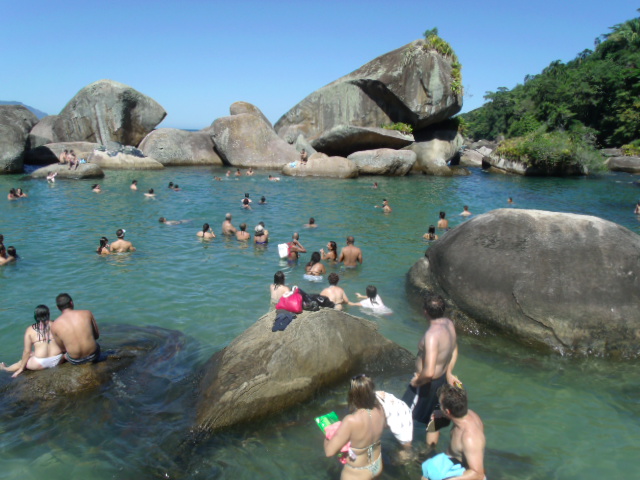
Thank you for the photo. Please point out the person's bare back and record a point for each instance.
(76, 331)
(350, 255)
(122, 246)
(336, 295)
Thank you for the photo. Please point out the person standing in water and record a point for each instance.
(46, 352)
(242, 234)
(121, 245)
(227, 227)
(206, 233)
(103, 248)
(295, 248)
(332, 252)
(335, 293)
(134, 185)
(443, 223)
(350, 255)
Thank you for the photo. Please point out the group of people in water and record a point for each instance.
(7, 254)
(16, 194)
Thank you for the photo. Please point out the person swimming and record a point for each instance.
(206, 233)
(314, 267)
(259, 236)
(371, 300)
(431, 234)
(332, 251)
(103, 248)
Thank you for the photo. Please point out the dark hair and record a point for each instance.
(103, 244)
(312, 221)
(243, 227)
(176, 186)
(11, 250)
(278, 278)
(334, 278)
(12, 192)
(205, 228)
(246, 195)
(453, 399)
(151, 190)
(315, 258)
(372, 292)
(133, 182)
(3, 250)
(434, 305)
(245, 201)
(261, 223)
(162, 219)
(120, 233)
(63, 301)
(170, 185)
(94, 185)
(442, 214)
(41, 315)
(432, 229)
(264, 200)
(362, 393)
(334, 246)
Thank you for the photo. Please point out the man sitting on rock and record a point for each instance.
(76, 331)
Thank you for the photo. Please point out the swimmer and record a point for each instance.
(332, 251)
(266, 232)
(134, 185)
(51, 178)
(170, 185)
(227, 227)
(121, 245)
(246, 196)
(12, 195)
(242, 234)
(350, 255)
(246, 204)
(371, 299)
(218, 179)
(206, 233)
(11, 252)
(385, 206)
(238, 172)
(250, 171)
(260, 238)
(510, 201)
(96, 188)
(176, 188)
(263, 201)
(278, 288)
(295, 248)
(311, 224)
(443, 223)
(20, 193)
(335, 293)
(4, 257)
(465, 212)
(274, 179)
(314, 267)
(103, 248)
(431, 234)
(637, 209)
(375, 185)
(171, 222)
(228, 174)
(46, 351)
(150, 193)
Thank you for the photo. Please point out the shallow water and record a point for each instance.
(545, 416)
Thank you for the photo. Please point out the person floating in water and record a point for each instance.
(150, 193)
(371, 300)
(46, 351)
(350, 255)
(172, 222)
(121, 245)
(263, 201)
(431, 234)
(76, 331)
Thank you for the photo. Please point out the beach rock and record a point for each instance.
(435, 149)
(301, 143)
(321, 165)
(471, 145)
(245, 107)
(173, 147)
(344, 140)
(84, 170)
(42, 132)
(384, 161)
(123, 161)
(623, 164)
(263, 372)
(563, 281)
(496, 163)
(471, 158)
(246, 140)
(410, 85)
(611, 152)
(121, 349)
(16, 121)
(50, 153)
(107, 111)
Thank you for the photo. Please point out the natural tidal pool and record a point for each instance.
(545, 416)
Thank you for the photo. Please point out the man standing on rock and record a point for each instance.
(227, 227)
(437, 355)
(76, 331)
(350, 255)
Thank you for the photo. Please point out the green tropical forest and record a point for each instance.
(569, 110)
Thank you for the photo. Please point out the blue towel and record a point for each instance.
(282, 321)
(441, 467)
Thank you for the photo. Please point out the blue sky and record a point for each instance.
(198, 57)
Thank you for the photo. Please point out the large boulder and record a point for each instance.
(246, 140)
(16, 121)
(238, 108)
(50, 153)
(174, 147)
(123, 161)
(107, 111)
(384, 161)
(321, 165)
(623, 164)
(435, 150)
(344, 140)
(565, 281)
(84, 170)
(263, 372)
(42, 132)
(498, 164)
(412, 85)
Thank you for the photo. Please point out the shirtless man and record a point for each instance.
(443, 223)
(437, 355)
(134, 185)
(311, 224)
(227, 227)
(350, 255)
(335, 293)
(121, 245)
(76, 331)
(386, 208)
(304, 156)
(295, 248)
(63, 157)
(465, 212)
(467, 442)
(242, 234)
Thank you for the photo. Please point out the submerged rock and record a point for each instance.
(263, 372)
(564, 281)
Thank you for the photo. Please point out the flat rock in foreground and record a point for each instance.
(263, 372)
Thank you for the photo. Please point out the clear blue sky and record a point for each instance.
(198, 57)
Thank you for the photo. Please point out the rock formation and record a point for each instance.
(50, 153)
(568, 282)
(263, 372)
(16, 122)
(245, 107)
(412, 85)
(343, 140)
(321, 165)
(623, 164)
(42, 132)
(173, 147)
(435, 149)
(123, 161)
(384, 161)
(84, 170)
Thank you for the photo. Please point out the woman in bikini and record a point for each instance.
(103, 248)
(206, 233)
(431, 234)
(314, 267)
(363, 428)
(332, 252)
(46, 352)
(278, 288)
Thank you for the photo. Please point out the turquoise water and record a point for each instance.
(545, 416)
